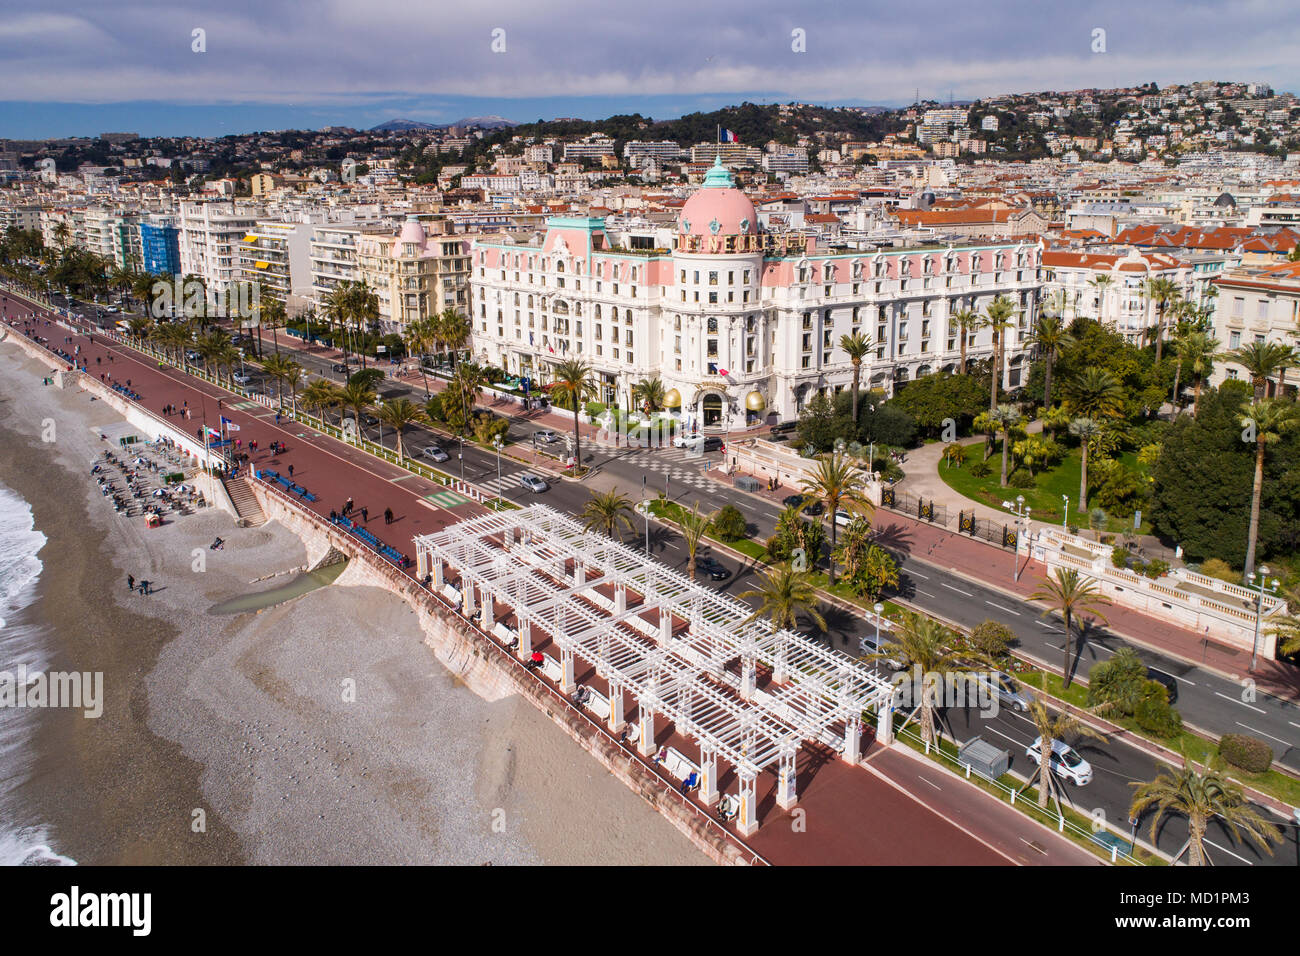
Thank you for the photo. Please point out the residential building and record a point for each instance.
(418, 272)
(1258, 304)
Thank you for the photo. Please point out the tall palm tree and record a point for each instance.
(1286, 627)
(1267, 420)
(572, 381)
(321, 395)
(1052, 727)
(837, 483)
(364, 311)
(926, 648)
(278, 367)
(1000, 318)
(1163, 293)
(649, 394)
(1006, 417)
(694, 525)
(966, 320)
(421, 337)
(1095, 393)
(857, 347)
(1087, 431)
(783, 594)
(1198, 349)
(338, 311)
(356, 397)
(606, 511)
(1262, 360)
(1051, 337)
(468, 383)
(1201, 797)
(1073, 595)
(399, 414)
(453, 332)
(1101, 285)
(271, 314)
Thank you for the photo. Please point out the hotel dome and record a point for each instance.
(718, 208)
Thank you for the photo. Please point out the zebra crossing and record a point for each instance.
(678, 465)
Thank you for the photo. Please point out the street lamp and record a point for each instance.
(879, 609)
(461, 455)
(1259, 607)
(1021, 511)
(645, 510)
(379, 406)
(1065, 522)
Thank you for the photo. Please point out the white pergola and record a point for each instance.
(623, 614)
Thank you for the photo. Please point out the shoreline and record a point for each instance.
(241, 716)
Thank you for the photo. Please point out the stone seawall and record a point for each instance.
(492, 673)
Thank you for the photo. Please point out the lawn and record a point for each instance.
(1044, 498)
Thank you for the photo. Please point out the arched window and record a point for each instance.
(559, 265)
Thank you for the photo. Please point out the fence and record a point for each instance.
(924, 509)
(995, 532)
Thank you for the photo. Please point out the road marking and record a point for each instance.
(1033, 846)
(1045, 625)
(994, 730)
(1259, 710)
(1293, 723)
(935, 785)
(958, 590)
(1284, 743)
(918, 574)
(1001, 608)
(1230, 853)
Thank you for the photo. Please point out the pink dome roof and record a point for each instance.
(718, 209)
(412, 231)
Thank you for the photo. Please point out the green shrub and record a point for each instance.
(1154, 715)
(487, 426)
(980, 468)
(1246, 753)
(730, 523)
(1020, 479)
(1120, 682)
(1119, 557)
(1218, 568)
(1155, 567)
(992, 638)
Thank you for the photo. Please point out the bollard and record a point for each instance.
(1060, 825)
(968, 771)
(1114, 853)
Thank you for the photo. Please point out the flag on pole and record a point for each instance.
(213, 433)
(727, 136)
(722, 371)
(228, 425)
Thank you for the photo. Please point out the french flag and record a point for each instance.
(727, 136)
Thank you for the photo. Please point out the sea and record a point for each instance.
(22, 843)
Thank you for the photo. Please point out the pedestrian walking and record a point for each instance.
(130, 582)
(277, 418)
(365, 514)
(291, 471)
(347, 506)
(388, 516)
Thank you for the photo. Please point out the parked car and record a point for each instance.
(370, 420)
(546, 435)
(1065, 763)
(1006, 689)
(533, 483)
(712, 443)
(339, 367)
(712, 569)
(1166, 681)
(193, 355)
(845, 518)
(867, 644)
(784, 428)
(241, 378)
(792, 501)
(435, 453)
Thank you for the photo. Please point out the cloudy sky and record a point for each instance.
(80, 67)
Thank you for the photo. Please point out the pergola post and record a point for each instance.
(568, 684)
(579, 573)
(748, 677)
(778, 665)
(708, 776)
(509, 538)
(665, 626)
(436, 570)
(787, 793)
(885, 719)
(620, 599)
(421, 563)
(852, 751)
(615, 709)
(645, 743)
(747, 817)
(467, 596)
(525, 650)
(486, 612)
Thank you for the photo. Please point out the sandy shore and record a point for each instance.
(249, 718)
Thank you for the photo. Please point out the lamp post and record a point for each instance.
(379, 405)
(1021, 511)
(879, 609)
(1065, 521)
(461, 455)
(1263, 587)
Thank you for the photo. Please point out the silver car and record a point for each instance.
(533, 483)
(435, 453)
(547, 436)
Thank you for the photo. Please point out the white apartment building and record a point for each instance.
(333, 255)
(210, 236)
(738, 323)
(277, 255)
(1258, 304)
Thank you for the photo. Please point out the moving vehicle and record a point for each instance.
(339, 367)
(845, 518)
(533, 483)
(712, 569)
(435, 453)
(682, 439)
(241, 378)
(546, 435)
(1065, 763)
(784, 428)
(1007, 690)
(809, 507)
(712, 443)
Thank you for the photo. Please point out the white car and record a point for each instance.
(242, 378)
(845, 518)
(546, 435)
(1066, 762)
(435, 453)
(533, 483)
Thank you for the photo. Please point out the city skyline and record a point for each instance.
(257, 66)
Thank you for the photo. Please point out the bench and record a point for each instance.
(506, 635)
(552, 669)
(597, 703)
(677, 764)
(451, 593)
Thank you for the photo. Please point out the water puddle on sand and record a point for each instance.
(303, 583)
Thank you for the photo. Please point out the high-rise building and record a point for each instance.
(160, 245)
(417, 273)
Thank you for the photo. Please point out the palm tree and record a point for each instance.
(1267, 420)
(1095, 393)
(1052, 727)
(399, 414)
(1000, 318)
(1201, 797)
(1286, 627)
(837, 481)
(357, 397)
(783, 594)
(572, 382)
(1163, 292)
(606, 511)
(321, 395)
(926, 648)
(966, 320)
(292, 376)
(694, 525)
(421, 337)
(139, 327)
(338, 310)
(271, 315)
(857, 346)
(1006, 417)
(453, 332)
(278, 367)
(468, 383)
(213, 348)
(1051, 337)
(1101, 284)
(364, 311)
(1087, 430)
(1072, 594)
(649, 393)
(1262, 360)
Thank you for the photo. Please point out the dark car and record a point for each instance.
(792, 501)
(784, 428)
(712, 569)
(339, 367)
(712, 443)
(811, 507)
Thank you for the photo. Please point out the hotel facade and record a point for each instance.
(738, 323)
